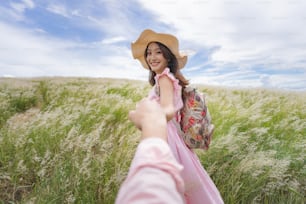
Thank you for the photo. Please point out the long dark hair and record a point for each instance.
(172, 65)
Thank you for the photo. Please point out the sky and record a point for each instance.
(233, 43)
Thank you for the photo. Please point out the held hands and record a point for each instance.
(149, 117)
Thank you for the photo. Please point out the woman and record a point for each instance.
(159, 53)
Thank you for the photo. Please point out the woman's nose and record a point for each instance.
(153, 56)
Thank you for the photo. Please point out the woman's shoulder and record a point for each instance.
(167, 73)
(167, 77)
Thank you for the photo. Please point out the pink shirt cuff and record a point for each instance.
(154, 175)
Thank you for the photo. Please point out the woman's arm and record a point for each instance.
(166, 96)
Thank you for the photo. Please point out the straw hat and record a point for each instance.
(147, 36)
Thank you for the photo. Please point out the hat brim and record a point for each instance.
(148, 36)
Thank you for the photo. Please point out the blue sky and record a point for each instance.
(258, 43)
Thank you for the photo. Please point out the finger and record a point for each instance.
(134, 119)
(131, 115)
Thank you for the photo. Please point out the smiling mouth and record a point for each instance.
(154, 63)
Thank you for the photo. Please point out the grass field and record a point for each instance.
(68, 140)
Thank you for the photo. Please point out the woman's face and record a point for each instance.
(156, 59)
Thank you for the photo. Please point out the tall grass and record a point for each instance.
(258, 152)
(69, 141)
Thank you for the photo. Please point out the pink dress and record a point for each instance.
(199, 188)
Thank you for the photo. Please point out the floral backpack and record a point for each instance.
(195, 123)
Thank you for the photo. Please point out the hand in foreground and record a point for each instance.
(150, 119)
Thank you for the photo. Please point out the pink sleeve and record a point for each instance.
(154, 176)
(177, 87)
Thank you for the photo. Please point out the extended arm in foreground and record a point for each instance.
(154, 175)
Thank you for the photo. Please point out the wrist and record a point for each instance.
(155, 128)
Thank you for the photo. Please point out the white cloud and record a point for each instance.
(113, 40)
(246, 34)
(29, 3)
(15, 10)
(25, 53)
(59, 9)
(296, 82)
(107, 16)
(23, 5)
(242, 29)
